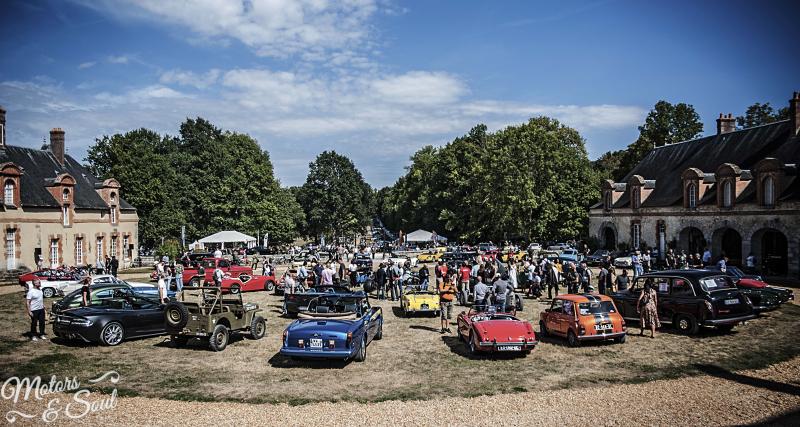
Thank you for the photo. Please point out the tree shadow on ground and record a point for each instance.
(716, 371)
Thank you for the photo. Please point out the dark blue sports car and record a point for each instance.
(334, 327)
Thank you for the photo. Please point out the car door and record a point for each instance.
(683, 296)
(554, 317)
(626, 300)
(666, 303)
(149, 315)
(567, 317)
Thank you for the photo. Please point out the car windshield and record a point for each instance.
(716, 283)
(590, 308)
(335, 304)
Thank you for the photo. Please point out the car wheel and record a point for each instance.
(437, 313)
(379, 334)
(219, 338)
(362, 352)
(112, 334)
(178, 340)
(176, 315)
(725, 328)
(258, 328)
(518, 299)
(543, 329)
(269, 286)
(686, 324)
(572, 339)
(48, 292)
(234, 289)
(473, 349)
(621, 340)
(194, 282)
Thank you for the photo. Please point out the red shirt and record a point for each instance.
(442, 270)
(465, 271)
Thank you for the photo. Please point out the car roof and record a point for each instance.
(688, 273)
(584, 297)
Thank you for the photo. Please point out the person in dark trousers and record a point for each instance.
(584, 277)
(380, 281)
(602, 277)
(36, 311)
(86, 291)
(623, 281)
(318, 273)
(424, 275)
(114, 265)
(552, 280)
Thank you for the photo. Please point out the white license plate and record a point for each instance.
(603, 327)
(316, 343)
(509, 348)
(424, 306)
(731, 301)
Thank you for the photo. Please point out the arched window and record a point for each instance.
(769, 191)
(608, 202)
(691, 191)
(8, 193)
(727, 194)
(636, 197)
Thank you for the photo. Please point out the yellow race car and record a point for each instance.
(416, 300)
(433, 255)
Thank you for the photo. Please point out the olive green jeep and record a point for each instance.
(207, 312)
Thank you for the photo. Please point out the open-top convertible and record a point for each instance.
(417, 300)
(488, 331)
(334, 327)
(298, 302)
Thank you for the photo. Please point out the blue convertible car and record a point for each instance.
(334, 327)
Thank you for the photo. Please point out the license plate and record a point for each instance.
(424, 306)
(509, 348)
(316, 343)
(603, 327)
(731, 301)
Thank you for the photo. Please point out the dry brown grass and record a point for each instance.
(413, 361)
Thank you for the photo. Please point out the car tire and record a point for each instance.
(258, 328)
(473, 349)
(519, 303)
(269, 286)
(725, 329)
(176, 316)
(194, 282)
(112, 334)
(362, 352)
(178, 340)
(543, 329)
(621, 340)
(686, 324)
(48, 292)
(379, 334)
(234, 289)
(572, 339)
(219, 338)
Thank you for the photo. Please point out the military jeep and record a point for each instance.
(206, 312)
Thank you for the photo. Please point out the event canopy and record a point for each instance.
(227, 237)
(423, 236)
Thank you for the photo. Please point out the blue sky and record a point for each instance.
(378, 79)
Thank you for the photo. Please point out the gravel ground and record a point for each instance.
(770, 395)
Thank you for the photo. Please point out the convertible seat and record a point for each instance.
(333, 316)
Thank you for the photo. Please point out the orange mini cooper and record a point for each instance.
(583, 317)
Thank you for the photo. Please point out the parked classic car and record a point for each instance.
(488, 331)
(107, 279)
(53, 281)
(432, 255)
(401, 259)
(597, 258)
(581, 318)
(298, 302)
(248, 283)
(754, 287)
(205, 274)
(115, 313)
(689, 299)
(334, 327)
(416, 300)
(624, 260)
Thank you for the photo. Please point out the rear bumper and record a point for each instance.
(317, 354)
(492, 345)
(729, 321)
(601, 337)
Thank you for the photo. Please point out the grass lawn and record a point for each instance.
(413, 361)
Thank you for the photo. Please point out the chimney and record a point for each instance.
(794, 112)
(57, 144)
(725, 124)
(2, 127)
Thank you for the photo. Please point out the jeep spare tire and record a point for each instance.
(176, 315)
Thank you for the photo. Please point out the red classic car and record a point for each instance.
(490, 331)
(205, 274)
(490, 255)
(247, 282)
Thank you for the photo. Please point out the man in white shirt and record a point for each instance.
(35, 304)
(217, 253)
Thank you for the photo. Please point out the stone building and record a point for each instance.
(736, 192)
(56, 211)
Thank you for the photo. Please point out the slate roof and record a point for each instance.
(743, 148)
(40, 167)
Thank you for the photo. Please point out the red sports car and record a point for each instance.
(490, 331)
(246, 283)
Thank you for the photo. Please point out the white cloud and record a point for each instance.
(85, 65)
(188, 78)
(120, 59)
(420, 87)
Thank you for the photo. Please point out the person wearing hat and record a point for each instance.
(36, 311)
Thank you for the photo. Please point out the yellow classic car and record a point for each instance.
(517, 256)
(415, 300)
(433, 255)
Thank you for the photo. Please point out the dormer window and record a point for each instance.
(608, 203)
(769, 192)
(727, 194)
(8, 193)
(636, 197)
(691, 193)
(65, 195)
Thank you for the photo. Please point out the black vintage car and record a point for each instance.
(115, 313)
(689, 299)
(297, 303)
(363, 262)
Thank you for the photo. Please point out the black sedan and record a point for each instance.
(115, 313)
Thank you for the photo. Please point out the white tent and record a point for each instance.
(422, 236)
(227, 237)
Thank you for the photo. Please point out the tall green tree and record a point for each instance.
(761, 114)
(335, 197)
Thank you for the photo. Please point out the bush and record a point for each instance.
(170, 248)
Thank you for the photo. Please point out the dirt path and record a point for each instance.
(770, 395)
